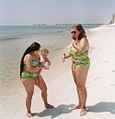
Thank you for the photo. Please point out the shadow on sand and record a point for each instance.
(57, 111)
(102, 107)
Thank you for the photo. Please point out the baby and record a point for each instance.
(44, 57)
(44, 60)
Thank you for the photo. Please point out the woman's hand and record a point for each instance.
(49, 63)
(63, 58)
(46, 67)
(38, 69)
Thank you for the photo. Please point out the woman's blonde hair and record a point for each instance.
(45, 50)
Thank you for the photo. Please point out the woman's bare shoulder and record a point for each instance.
(84, 39)
(28, 56)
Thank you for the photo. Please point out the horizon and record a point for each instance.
(55, 24)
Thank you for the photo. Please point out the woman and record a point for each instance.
(80, 64)
(29, 68)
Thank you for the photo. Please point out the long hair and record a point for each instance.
(80, 28)
(33, 47)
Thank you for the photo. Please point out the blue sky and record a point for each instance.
(27, 12)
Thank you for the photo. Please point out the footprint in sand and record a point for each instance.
(113, 71)
(97, 78)
(112, 84)
(106, 61)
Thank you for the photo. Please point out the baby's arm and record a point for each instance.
(48, 62)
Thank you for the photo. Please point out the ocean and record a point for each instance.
(13, 42)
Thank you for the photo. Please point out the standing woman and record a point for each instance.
(29, 68)
(80, 64)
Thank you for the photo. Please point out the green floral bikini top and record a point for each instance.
(75, 53)
(35, 62)
(79, 58)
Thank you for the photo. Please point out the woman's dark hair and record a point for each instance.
(33, 47)
(80, 28)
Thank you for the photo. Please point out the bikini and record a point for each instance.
(30, 75)
(79, 58)
(44, 60)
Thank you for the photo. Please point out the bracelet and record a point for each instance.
(64, 57)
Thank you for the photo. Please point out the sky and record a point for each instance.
(28, 12)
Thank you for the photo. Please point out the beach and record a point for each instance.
(61, 88)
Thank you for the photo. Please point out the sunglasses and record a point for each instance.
(73, 32)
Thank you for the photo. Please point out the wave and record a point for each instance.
(11, 38)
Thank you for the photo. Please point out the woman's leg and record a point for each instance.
(42, 85)
(29, 86)
(81, 75)
(75, 80)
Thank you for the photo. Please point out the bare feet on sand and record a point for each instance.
(83, 112)
(29, 114)
(49, 106)
(76, 107)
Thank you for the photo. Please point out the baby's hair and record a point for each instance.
(45, 50)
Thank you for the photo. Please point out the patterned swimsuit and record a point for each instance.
(79, 58)
(30, 75)
(44, 60)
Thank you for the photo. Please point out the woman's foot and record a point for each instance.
(83, 112)
(76, 107)
(29, 114)
(49, 106)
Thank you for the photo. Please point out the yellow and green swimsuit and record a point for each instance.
(30, 75)
(79, 58)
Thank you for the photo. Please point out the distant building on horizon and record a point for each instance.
(37, 25)
(113, 19)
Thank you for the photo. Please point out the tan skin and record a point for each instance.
(39, 82)
(80, 73)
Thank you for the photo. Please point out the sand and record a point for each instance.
(61, 87)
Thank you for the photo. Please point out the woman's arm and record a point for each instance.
(81, 47)
(67, 56)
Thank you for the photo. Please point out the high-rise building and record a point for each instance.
(113, 18)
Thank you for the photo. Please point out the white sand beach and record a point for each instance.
(61, 87)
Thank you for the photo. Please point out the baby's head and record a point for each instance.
(44, 52)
